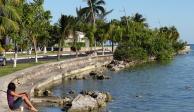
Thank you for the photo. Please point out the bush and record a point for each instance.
(77, 46)
(1, 50)
(125, 53)
(179, 45)
(8, 47)
(165, 55)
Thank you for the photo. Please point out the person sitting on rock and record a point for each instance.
(21, 97)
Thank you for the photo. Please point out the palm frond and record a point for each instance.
(100, 2)
(10, 13)
(101, 9)
(7, 24)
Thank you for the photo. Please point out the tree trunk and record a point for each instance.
(45, 50)
(76, 53)
(95, 45)
(35, 49)
(15, 55)
(30, 51)
(15, 59)
(94, 21)
(112, 46)
(103, 48)
(39, 50)
(52, 49)
(59, 51)
(4, 53)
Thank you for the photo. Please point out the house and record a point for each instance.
(80, 37)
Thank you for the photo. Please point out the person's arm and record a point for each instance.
(16, 95)
(24, 93)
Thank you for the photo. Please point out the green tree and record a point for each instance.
(94, 9)
(36, 23)
(8, 16)
(66, 24)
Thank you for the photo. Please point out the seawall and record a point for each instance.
(42, 75)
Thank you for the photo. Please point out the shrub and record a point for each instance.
(8, 47)
(77, 46)
(1, 50)
(126, 53)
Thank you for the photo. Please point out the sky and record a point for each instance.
(157, 12)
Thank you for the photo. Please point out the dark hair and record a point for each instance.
(11, 86)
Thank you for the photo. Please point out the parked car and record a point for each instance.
(2, 60)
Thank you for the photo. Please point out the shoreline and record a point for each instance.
(48, 75)
(26, 79)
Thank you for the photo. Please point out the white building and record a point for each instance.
(80, 37)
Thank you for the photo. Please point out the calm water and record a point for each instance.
(156, 87)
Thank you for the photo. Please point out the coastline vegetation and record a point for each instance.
(141, 42)
(29, 27)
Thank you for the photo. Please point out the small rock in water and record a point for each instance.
(84, 92)
(102, 77)
(138, 96)
(47, 93)
(188, 87)
(93, 73)
(71, 92)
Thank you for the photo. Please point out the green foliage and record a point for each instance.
(1, 49)
(77, 47)
(94, 8)
(140, 42)
(9, 16)
(8, 47)
(129, 54)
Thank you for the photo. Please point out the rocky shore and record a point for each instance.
(86, 101)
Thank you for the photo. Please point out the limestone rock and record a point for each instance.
(101, 99)
(83, 103)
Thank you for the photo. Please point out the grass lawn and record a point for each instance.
(5, 70)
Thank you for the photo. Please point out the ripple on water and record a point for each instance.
(152, 87)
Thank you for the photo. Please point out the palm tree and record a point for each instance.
(67, 27)
(94, 8)
(140, 19)
(9, 19)
(101, 34)
(8, 16)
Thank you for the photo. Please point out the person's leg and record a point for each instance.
(27, 101)
(17, 103)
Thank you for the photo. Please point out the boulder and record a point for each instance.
(93, 73)
(110, 66)
(121, 66)
(47, 93)
(83, 103)
(102, 77)
(101, 99)
(115, 68)
(71, 92)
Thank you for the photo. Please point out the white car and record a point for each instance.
(2, 61)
